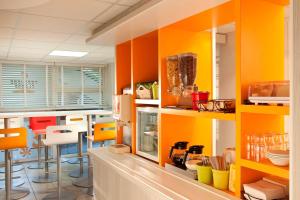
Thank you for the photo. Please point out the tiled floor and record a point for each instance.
(38, 191)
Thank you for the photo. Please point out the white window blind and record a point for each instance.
(47, 86)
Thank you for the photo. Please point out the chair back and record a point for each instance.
(15, 122)
(41, 123)
(79, 120)
(104, 131)
(61, 135)
(12, 138)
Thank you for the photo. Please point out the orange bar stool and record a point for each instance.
(59, 135)
(81, 122)
(102, 132)
(16, 122)
(12, 138)
(38, 126)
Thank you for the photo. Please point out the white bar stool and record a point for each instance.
(81, 122)
(59, 135)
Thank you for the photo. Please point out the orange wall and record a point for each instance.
(180, 128)
(123, 66)
(262, 42)
(176, 41)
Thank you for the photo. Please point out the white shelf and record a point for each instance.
(147, 101)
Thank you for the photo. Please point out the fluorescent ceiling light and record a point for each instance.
(68, 53)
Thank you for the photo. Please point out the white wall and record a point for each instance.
(226, 62)
(109, 83)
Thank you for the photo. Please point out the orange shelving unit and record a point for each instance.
(259, 56)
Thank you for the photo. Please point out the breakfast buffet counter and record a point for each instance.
(53, 113)
(126, 176)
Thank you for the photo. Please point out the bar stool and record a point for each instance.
(81, 122)
(12, 138)
(102, 132)
(15, 122)
(59, 135)
(38, 126)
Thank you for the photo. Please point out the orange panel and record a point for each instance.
(281, 2)
(178, 128)
(13, 142)
(175, 41)
(214, 17)
(145, 58)
(122, 74)
(144, 69)
(262, 42)
(123, 66)
(101, 135)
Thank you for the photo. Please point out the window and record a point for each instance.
(24, 86)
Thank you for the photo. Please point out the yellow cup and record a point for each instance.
(221, 179)
(204, 174)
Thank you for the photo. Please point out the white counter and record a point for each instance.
(54, 113)
(126, 176)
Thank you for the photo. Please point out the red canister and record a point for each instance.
(203, 96)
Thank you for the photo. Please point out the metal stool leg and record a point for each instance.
(79, 172)
(59, 195)
(79, 160)
(15, 182)
(14, 167)
(38, 165)
(46, 177)
(86, 182)
(10, 192)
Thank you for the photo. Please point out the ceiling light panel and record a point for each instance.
(77, 54)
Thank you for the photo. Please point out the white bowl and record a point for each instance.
(192, 164)
(280, 161)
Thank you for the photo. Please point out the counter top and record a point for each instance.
(169, 184)
(53, 113)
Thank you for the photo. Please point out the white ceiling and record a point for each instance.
(157, 15)
(31, 34)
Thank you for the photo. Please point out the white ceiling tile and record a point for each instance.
(79, 9)
(40, 36)
(110, 13)
(4, 48)
(50, 24)
(33, 44)
(128, 2)
(28, 51)
(88, 28)
(77, 39)
(8, 19)
(5, 42)
(106, 49)
(6, 32)
(109, 1)
(3, 54)
(20, 58)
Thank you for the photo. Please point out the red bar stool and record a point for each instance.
(102, 132)
(12, 138)
(38, 126)
(81, 122)
(59, 135)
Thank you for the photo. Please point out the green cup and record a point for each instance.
(204, 174)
